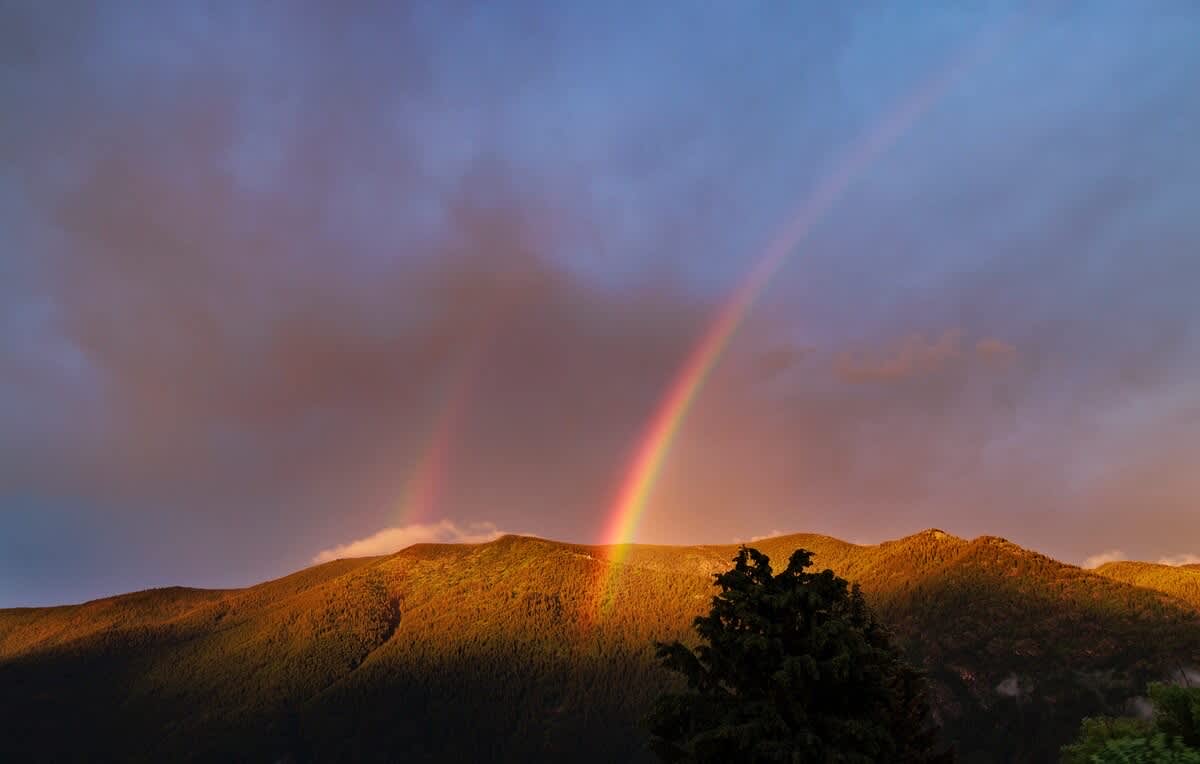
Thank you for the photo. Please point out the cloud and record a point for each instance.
(1116, 555)
(740, 540)
(390, 540)
(254, 256)
(265, 340)
(1180, 559)
(777, 361)
(1109, 555)
(914, 355)
(992, 348)
(770, 535)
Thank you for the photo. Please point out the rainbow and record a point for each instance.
(428, 478)
(659, 435)
(425, 484)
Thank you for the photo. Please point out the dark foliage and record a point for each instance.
(792, 667)
(1177, 712)
(1171, 735)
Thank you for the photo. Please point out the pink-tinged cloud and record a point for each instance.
(913, 356)
(992, 348)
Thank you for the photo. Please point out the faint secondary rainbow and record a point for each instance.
(664, 425)
(428, 479)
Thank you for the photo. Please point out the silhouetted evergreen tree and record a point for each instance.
(792, 667)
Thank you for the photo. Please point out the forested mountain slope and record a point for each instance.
(1179, 581)
(524, 649)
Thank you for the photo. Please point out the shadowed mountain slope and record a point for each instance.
(527, 649)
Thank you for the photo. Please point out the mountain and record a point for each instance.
(527, 649)
(1182, 581)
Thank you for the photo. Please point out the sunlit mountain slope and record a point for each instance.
(526, 649)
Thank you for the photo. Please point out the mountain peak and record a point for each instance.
(930, 534)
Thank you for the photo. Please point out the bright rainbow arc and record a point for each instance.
(664, 426)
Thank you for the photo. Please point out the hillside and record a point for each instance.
(524, 649)
(1178, 581)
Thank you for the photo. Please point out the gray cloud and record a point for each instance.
(260, 254)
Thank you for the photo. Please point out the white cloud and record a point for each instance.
(1180, 559)
(394, 539)
(770, 535)
(1115, 555)
(1109, 555)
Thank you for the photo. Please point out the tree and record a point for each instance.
(1155, 749)
(792, 667)
(1177, 712)
(1097, 733)
(1171, 736)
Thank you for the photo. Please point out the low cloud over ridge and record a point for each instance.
(1103, 558)
(1116, 555)
(391, 540)
(1176, 560)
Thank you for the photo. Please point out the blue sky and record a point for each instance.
(246, 249)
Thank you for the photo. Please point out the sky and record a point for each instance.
(281, 282)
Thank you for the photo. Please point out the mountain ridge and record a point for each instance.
(722, 550)
(544, 648)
